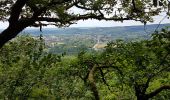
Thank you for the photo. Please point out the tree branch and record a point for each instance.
(135, 9)
(81, 17)
(52, 3)
(103, 78)
(81, 7)
(16, 10)
(100, 17)
(157, 91)
(93, 83)
(13, 30)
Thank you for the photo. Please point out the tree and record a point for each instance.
(25, 70)
(140, 64)
(24, 13)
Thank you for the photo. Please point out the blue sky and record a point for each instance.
(96, 23)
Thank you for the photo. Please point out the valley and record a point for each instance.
(72, 40)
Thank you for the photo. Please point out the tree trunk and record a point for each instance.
(140, 92)
(142, 97)
(93, 84)
(13, 30)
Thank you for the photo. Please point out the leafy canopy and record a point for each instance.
(64, 12)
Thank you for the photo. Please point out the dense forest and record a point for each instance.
(122, 71)
(48, 68)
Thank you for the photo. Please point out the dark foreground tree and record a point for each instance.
(23, 13)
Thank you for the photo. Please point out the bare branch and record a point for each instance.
(81, 7)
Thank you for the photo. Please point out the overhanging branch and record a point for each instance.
(157, 91)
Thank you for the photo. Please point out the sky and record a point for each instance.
(96, 23)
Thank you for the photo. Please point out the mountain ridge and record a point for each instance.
(95, 30)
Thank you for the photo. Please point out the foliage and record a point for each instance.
(28, 72)
(24, 69)
(132, 9)
(141, 63)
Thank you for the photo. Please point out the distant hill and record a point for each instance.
(96, 30)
